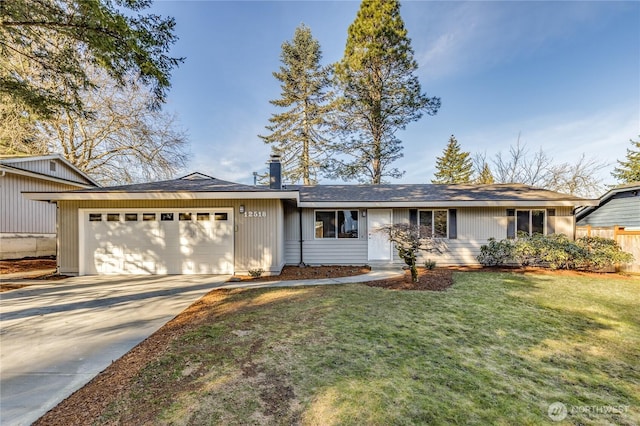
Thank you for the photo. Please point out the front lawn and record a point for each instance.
(495, 348)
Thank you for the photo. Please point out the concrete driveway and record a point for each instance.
(56, 337)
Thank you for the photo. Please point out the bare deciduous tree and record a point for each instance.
(538, 169)
(121, 140)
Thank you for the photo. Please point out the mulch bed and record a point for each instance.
(26, 265)
(437, 279)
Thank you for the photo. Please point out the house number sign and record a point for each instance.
(255, 214)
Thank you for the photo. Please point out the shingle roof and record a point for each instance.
(426, 192)
(194, 182)
(197, 185)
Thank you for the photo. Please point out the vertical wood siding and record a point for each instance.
(258, 240)
(22, 216)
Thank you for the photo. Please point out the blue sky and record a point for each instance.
(565, 76)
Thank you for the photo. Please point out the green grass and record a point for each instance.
(493, 349)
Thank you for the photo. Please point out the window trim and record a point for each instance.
(446, 231)
(337, 224)
(544, 221)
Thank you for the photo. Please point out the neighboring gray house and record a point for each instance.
(616, 216)
(199, 224)
(620, 206)
(28, 228)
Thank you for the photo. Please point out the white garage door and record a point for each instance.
(167, 241)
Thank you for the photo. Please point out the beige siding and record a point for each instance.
(19, 215)
(258, 240)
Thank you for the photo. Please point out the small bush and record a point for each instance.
(496, 253)
(256, 273)
(430, 264)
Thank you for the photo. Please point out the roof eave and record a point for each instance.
(448, 203)
(35, 175)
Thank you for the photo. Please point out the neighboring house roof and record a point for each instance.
(199, 186)
(627, 204)
(24, 166)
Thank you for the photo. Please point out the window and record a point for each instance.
(433, 223)
(131, 217)
(52, 166)
(202, 216)
(530, 221)
(113, 217)
(95, 217)
(336, 224)
(166, 216)
(184, 216)
(147, 217)
(221, 216)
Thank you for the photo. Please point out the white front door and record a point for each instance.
(379, 244)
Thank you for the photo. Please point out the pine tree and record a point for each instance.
(55, 39)
(380, 93)
(297, 134)
(485, 177)
(454, 166)
(629, 171)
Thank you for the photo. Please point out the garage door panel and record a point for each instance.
(198, 245)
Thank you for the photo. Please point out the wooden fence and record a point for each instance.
(628, 241)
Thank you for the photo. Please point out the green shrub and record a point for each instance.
(601, 253)
(496, 253)
(256, 273)
(429, 264)
(554, 251)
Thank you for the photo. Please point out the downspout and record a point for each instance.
(301, 264)
(57, 239)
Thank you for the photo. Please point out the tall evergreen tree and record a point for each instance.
(455, 166)
(297, 134)
(380, 93)
(629, 171)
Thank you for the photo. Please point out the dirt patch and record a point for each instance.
(26, 265)
(434, 280)
(310, 273)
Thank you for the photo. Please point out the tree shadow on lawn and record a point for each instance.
(484, 351)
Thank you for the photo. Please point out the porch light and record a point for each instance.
(241, 208)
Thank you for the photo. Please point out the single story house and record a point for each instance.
(27, 227)
(198, 224)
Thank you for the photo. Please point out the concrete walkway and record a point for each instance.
(56, 336)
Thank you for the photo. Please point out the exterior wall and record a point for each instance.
(21, 216)
(258, 240)
(338, 251)
(474, 228)
(44, 167)
(18, 246)
(622, 209)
